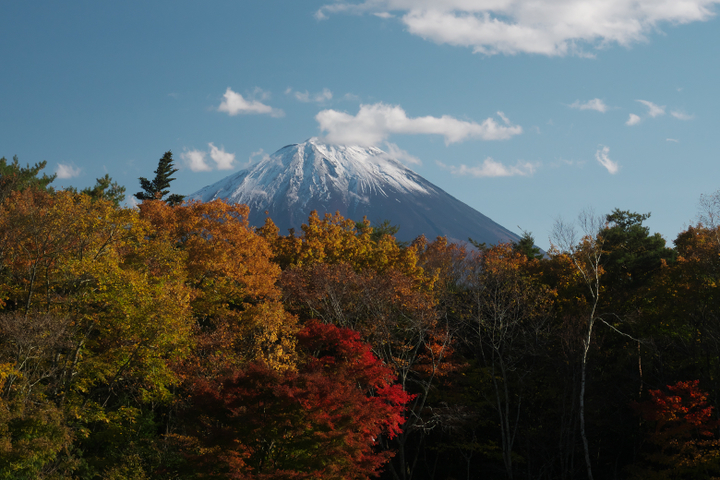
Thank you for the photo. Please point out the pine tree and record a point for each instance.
(13, 177)
(106, 189)
(158, 188)
(526, 246)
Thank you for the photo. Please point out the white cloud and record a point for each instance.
(602, 156)
(196, 160)
(374, 123)
(67, 171)
(594, 104)
(633, 120)
(674, 140)
(653, 110)
(681, 115)
(399, 154)
(546, 27)
(235, 104)
(306, 97)
(491, 168)
(223, 160)
(384, 15)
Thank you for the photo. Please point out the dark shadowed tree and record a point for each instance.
(632, 254)
(158, 188)
(586, 255)
(526, 246)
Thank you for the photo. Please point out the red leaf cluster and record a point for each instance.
(321, 421)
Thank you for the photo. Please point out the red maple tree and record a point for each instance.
(683, 443)
(322, 420)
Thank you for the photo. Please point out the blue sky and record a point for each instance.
(526, 111)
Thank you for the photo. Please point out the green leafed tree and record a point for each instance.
(158, 188)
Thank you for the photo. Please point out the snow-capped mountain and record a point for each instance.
(357, 182)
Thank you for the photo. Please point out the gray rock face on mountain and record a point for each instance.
(357, 182)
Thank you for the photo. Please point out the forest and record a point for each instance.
(175, 341)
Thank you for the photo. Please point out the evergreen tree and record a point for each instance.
(633, 253)
(481, 246)
(526, 246)
(104, 189)
(13, 177)
(379, 230)
(632, 256)
(159, 186)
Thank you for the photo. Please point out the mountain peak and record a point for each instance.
(356, 181)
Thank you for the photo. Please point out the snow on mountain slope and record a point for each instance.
(357, 182)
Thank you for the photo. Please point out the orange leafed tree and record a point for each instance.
(234, 296)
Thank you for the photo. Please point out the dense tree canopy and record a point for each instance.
(174, 340)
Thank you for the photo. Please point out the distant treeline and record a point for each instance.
(174, 341)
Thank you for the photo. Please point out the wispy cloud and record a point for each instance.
(197, 160)
(399, 154)
(374, 123)
(257, 154)
(306, 97)
(653, 109)
(681, 115)
(602, 156)
(65, 170)
(674, 140)
(633, 120)
(594, 104)
(235, 104)
(491, 168)
(546, 27)
(563, 162)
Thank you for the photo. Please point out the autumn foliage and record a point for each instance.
(322, 420)
(180, 342)
(682, 436)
